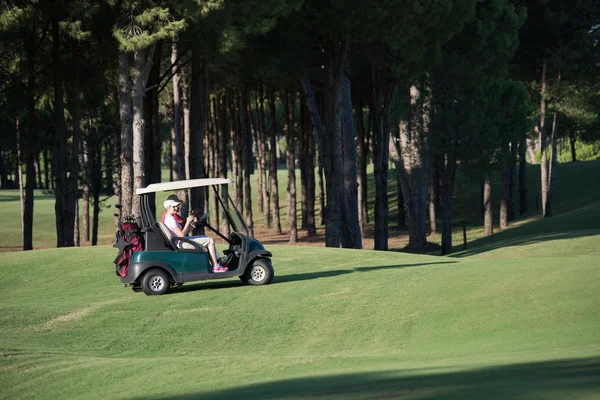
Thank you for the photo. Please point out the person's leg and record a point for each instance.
(209, 243)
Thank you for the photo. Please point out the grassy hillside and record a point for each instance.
(335, 324)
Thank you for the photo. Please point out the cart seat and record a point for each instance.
(181, 244)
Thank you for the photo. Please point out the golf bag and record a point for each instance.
(129, 240)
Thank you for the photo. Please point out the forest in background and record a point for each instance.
(97, 96)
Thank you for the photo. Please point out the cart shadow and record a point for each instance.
(299, 277)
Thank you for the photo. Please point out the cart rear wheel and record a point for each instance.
(155, 282)
(259, 273)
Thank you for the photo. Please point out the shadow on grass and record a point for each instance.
(328, 274)
(10, 198)
(297, 277)
(577, 223)
(481, 245)
(558, 379)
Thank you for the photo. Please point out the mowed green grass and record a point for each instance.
(334, 324)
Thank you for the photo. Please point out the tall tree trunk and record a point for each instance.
(95, 173)
(414, 166)
(552, 172)
(86, 174)
(85, 214)
(262, 148)
(487, 207)
(318, 132)
(400, 203)
(116, 181)
(321, 173)
(64, 218)
(351, 236)
(544, 161)
(236, 153)
(446, 190)
(336, 51)
(48, 183)
(258, 139)
(523, 204)
(224, 139)
(199, 110)
(308, 157)
(109, 150)
(383, 148)
(76, 233)
(216, 136)
(177, 137)
(530, 144)
(185, 105)
(273, 167)
(38, 171)
(95, 218)
(152, 139)
(21, 185)
(72, 182)
(504, 187)
(361, 161)
(310, 179)
(572, 140)
(126, 117)
(289, 102)
(512, 180)
(3, 170)
(247, 160)
(32, 143)
(304, 128)
(142, 65)
(432, 191)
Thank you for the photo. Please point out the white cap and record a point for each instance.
(171, 201)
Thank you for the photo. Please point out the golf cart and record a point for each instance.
(161, 260)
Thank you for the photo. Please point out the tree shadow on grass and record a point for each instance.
(576, 223)
(569, 378)
(10, 198)
(480, 246)
(298, 277)
(327, 274)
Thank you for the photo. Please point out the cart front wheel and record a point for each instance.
(259, 273)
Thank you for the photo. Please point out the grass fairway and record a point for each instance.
(335, 324)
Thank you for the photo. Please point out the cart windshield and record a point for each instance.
(237, 222)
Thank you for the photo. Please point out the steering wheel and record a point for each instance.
(203, 218)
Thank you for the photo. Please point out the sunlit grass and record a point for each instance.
(334, 324)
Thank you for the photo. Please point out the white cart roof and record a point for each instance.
(181, 185)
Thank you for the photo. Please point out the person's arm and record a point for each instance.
(188, 225)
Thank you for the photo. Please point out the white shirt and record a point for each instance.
(171, 223)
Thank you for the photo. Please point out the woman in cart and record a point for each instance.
(173, 221)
